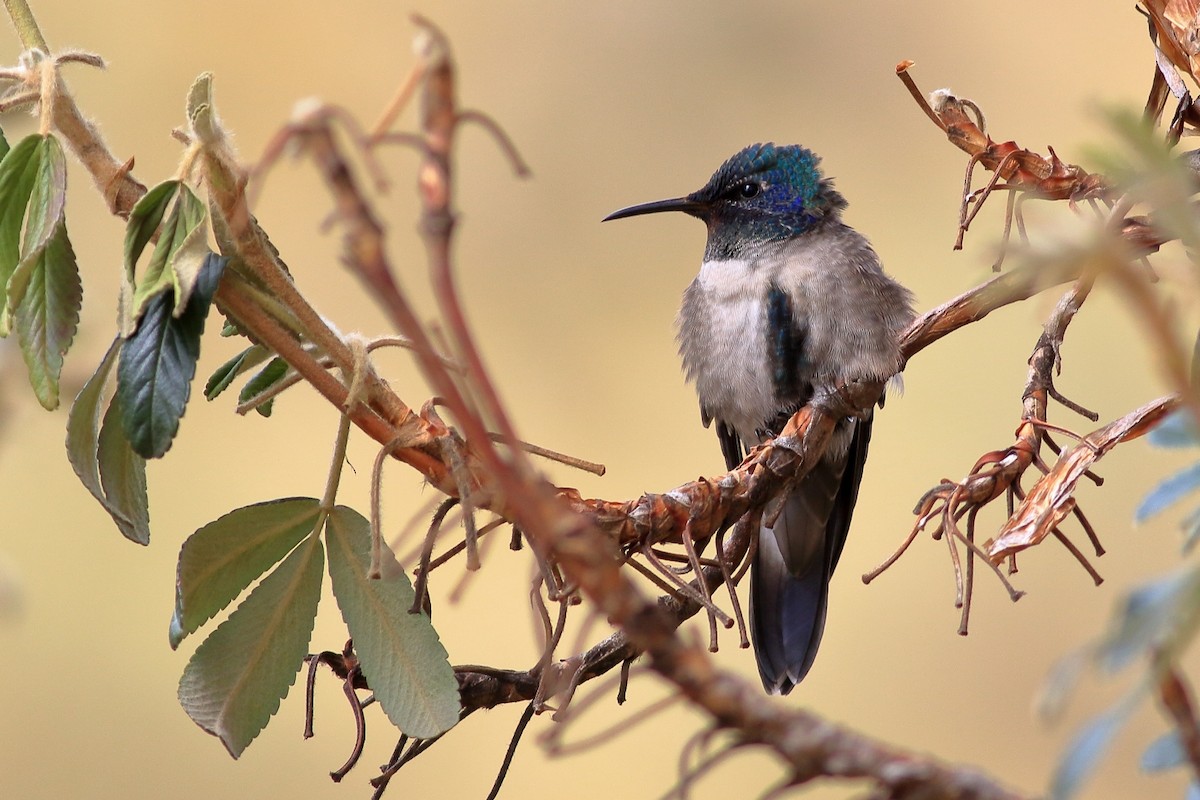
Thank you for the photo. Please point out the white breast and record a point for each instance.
(723, 341)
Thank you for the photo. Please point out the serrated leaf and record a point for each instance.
(1169, 491)
(83, 451)
(48, 314)
(224, 375)
(220, 560)
(143, 222)
(275, 371)
(187, 261)
(18, 173)
(400, 653)
(123, 475)
(1086, 750)
(178, 255)
(200, 113)
(44, 224)
(144, 219)
(1165, 752)
(158, 363)
(1177, 430)
(235, 680)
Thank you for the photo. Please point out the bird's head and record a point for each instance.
(763, 193)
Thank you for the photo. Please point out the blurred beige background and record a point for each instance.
(611, 103)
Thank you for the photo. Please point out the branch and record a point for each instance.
(586, 547)
(1176, 698)
(585, 555)
(1052, 498)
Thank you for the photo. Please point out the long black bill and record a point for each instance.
(687, 206)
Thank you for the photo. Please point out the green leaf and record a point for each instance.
(3, 145)
(235, 680)
(1169, 491)
(158, 363)
(178, 255)
(264, 379)
(19, 172)
(48, 314)
(1086, 750)
(400, 653)
(221, 559)
(224, 375)
(1165, 752)
(39, 281)
(46, 216)
(144, 220)
(123, 474)
(1177, 430)
(83, 451)
(200, 114)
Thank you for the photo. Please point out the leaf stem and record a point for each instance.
(27, 27)
(335, 467)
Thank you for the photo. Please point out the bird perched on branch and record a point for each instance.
(789, 300)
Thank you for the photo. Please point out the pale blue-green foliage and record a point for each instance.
(1151, 625)
(1165, 752)
(1177, 431)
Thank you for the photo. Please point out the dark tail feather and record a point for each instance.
(787, 616)
(789, 581)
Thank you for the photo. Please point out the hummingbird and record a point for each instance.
(789, 300)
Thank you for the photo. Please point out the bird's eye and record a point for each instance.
(747, 190)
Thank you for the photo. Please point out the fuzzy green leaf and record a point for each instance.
(86, 441)
(275, 371)
(221, 559)
(224, 375)
(178, 255)
(235, 680)
(200, 114)
(19, 171)
(44, 224)
(42, 293)
(400, 653)
(48, 314)
(144, 220)
(158, 363)
(123, 474)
